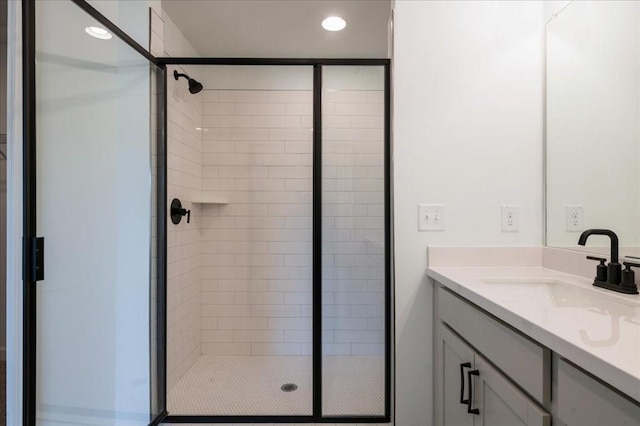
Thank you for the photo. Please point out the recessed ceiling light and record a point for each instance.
(334, 23)
(98, 32)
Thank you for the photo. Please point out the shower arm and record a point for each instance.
(177, 75)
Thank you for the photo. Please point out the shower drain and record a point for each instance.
(289, 387)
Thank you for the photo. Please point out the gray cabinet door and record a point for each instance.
(451, 354)
(500, 403)
(582, 401)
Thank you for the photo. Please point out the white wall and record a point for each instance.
(175, 43)
(553, 7)
(467, 133)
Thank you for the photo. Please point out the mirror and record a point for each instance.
(593, 124)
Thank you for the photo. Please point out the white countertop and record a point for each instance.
(596, 329)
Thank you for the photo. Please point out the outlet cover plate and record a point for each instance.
(431, 217)
(574, 217)
(510, 218)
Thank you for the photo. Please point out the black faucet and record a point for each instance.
(611, 277)
(614, 269)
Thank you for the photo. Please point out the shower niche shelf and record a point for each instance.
(208, 199)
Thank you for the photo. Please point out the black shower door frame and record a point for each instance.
(32, 262)
(318, 65)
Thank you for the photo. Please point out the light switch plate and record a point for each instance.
(431, 217)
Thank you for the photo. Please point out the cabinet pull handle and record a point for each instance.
(462, 367)
(470, 400)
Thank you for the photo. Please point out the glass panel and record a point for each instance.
(240, 281)
(158, 247)
(353, 243)
(94, 199)
(132, 17)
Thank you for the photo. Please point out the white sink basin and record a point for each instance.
(560, 294)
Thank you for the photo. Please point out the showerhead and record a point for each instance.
(194, 86)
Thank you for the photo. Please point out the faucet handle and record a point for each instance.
(601, 269)
(631, 264)
(628, 277)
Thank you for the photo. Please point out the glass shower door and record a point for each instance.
(95, 210)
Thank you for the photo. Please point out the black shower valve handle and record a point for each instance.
(185, 212)
(177, 212)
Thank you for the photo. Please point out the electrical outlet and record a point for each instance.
(431, 217)
(510, 218)
(574, 217)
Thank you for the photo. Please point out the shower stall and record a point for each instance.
(216, 232)
(278, 286)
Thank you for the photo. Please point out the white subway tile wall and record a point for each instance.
(256, 261)
(184, 174)
(353, 270)
(353, 222)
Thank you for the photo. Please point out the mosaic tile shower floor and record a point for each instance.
(250, 385)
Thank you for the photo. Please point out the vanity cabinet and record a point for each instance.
(471, 392)
(521, 359)
(512, 376)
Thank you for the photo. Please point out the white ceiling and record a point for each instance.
(282, 28)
